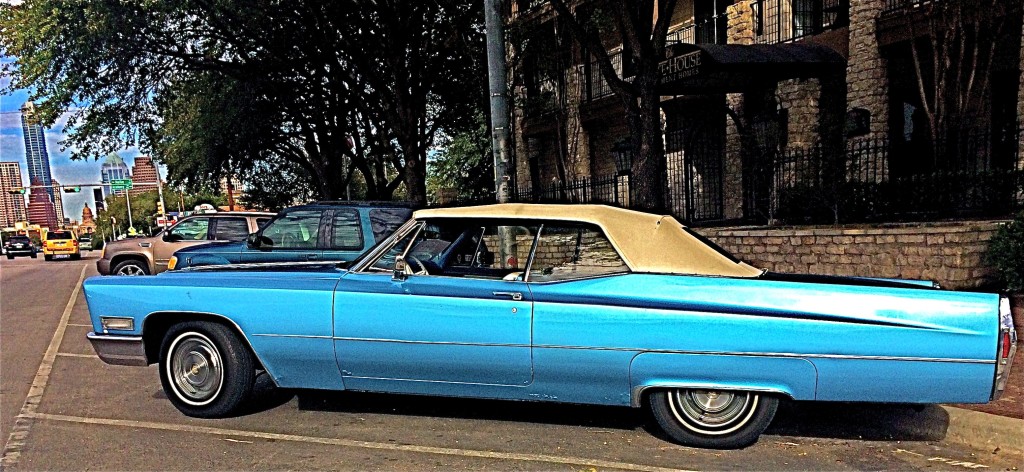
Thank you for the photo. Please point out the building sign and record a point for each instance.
(680, 67)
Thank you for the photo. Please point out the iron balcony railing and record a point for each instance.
(780, 21)
(710, 30)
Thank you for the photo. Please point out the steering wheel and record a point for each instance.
(420, 269)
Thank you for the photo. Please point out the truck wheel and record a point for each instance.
(205, 369)
(130, 267)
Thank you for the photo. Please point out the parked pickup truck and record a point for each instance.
(321, 231)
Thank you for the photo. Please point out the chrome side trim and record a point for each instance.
(119, 350)
(303, 336)
(637, 392)
(674, 351)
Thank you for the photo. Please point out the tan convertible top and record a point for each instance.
(646, 242)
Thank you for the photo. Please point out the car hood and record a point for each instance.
(126, 244)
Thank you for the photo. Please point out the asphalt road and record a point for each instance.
(69, 411)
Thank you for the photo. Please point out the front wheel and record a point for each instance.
(716, 419)
(205, 369)
(130, 267)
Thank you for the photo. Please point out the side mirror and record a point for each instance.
(252, 241)
(171, 237)
(399, 273)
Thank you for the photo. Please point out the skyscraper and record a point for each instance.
(12, 206)
(113, 168)
(36, 155)
(144, 175)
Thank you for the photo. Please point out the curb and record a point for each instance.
(985, 431)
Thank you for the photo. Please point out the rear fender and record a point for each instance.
(791, 377)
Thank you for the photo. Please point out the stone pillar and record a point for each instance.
(867, 79)
(740, 31)
(1020, 108)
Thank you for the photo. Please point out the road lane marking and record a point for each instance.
(81, 356)
(23, 422)
(445, 451)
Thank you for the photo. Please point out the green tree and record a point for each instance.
(465, 165)
(334, 87)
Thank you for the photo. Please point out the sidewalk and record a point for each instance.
(995, 425)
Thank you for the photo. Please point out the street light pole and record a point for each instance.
(128, 201)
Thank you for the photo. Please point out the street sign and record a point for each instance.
(121, 184)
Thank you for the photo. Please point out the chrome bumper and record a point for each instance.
(1006, 350)
(119, 350)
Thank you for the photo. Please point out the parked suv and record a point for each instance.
(59, 244)
(144, 256)
(19, 245)
(321, 231)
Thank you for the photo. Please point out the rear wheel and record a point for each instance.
(47, 257)
(33, 255)
(713, 418)
(11, 256)
(130, 267)
(205, 369)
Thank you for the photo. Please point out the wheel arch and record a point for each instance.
(157, 324)
(789, 377)
(114, 261)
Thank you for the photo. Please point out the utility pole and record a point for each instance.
(160, 192)
(498, 87)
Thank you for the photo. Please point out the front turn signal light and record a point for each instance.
(171, 264)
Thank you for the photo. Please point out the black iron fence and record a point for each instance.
(879, 180)
(610, 189)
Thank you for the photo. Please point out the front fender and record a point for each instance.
(793, 377)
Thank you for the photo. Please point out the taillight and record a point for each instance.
(75, 242)
(1006, 345)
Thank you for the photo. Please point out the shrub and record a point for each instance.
(1006, 254)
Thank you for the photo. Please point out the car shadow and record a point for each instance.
(831, 420)
(265, 396)
(494, 410)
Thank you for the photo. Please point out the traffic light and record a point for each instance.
(18, 191)
(74, 189)
(160, 207)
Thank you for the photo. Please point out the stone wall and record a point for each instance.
(800, 98)
(949, 253)
(867, 79)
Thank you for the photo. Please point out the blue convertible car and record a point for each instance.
(582, 304)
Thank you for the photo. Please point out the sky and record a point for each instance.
(64, 170)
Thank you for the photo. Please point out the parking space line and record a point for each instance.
(23, 423)
(80, 325)
(80, 356)
(184, 428)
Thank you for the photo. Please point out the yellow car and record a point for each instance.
(60, 244)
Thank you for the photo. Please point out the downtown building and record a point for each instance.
(113, 168)
(799, 114)
(36, 155)
(12, 205)
(41, 211)
(144, 175)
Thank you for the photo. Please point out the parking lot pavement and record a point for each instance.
(93, 415)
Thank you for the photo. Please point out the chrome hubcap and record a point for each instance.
(713, 412)
(195, 369)
(130, 270)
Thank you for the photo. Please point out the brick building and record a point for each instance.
(144, 175)
(41, 211)
(793, 112)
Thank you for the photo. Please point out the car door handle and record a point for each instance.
(513, 295)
